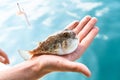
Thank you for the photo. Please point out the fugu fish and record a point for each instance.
(60, 43)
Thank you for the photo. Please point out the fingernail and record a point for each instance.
(88, 16)
(95, 19)
(75, 22)
(96, 28)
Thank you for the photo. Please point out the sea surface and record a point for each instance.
(46, 17)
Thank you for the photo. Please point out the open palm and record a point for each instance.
(86, 31)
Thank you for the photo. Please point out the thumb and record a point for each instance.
(76, 67)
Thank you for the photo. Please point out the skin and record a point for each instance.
(40, 65)
(3, 57)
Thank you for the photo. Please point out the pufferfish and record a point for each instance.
(60, 43)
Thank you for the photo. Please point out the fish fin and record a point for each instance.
(40, 43)
(25, 54)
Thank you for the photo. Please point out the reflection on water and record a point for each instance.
(47, 17)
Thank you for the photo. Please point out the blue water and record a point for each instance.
(49, 16)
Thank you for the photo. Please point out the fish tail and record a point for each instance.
(25, 54)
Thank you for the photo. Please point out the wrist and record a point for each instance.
(28, 70)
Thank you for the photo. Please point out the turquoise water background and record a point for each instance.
(49, 16)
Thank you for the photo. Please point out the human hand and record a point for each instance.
(86, 31)
(3, 57)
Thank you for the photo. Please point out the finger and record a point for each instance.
(72, 25)
(87, 28)
(4, 57)
(53, 63)
(82, 23)
(88, 39)
(75, 67)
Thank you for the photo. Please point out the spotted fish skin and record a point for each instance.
(57, 43)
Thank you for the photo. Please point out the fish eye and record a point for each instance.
(66, 35)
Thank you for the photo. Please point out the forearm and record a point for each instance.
(28, 70)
